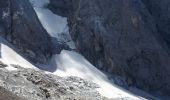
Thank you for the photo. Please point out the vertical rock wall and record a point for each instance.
(20, 25)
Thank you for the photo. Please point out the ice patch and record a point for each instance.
(54, 24)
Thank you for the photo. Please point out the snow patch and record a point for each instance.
(10, 68)
(54, 24)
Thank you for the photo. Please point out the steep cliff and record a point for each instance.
(121, 37)
(20, 25)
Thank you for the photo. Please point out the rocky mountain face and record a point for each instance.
(20, 25)
(129, 38)
(123, 37)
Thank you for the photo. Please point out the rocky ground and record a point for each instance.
(36, 85)
(7, 95)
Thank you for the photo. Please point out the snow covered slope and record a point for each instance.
(70, 63)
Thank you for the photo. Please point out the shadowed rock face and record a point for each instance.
(5, 18)
(160, 10)
(121, 37)
(20, 25)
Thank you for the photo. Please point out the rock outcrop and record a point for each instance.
(20, 25)
(121, 37)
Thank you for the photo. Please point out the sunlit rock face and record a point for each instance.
(21, 27)
(120, 37)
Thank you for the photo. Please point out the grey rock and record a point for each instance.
(21, 26)
(124, 40)
(7, 95)
(2, 65)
